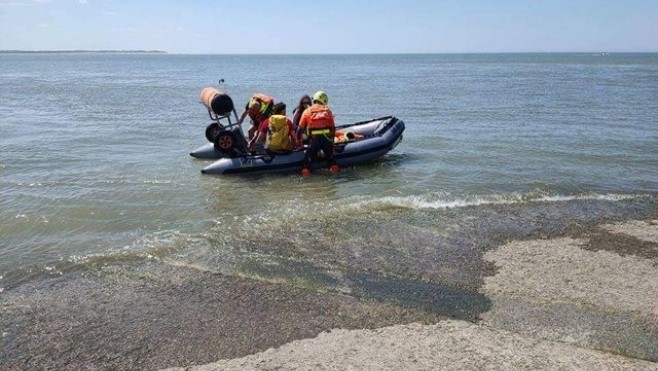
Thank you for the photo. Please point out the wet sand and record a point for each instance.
(164, 316)
(581, 300)
(556, 304)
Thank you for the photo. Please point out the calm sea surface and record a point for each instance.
(95, 171)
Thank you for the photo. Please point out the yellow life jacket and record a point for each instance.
(277, 134)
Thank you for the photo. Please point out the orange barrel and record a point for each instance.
(217, 101)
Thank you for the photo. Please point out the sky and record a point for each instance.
(340, 26)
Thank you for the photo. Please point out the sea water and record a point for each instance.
(95, 168)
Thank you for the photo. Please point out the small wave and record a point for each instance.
(605, 197)
(431, 202)
(243, 227)
(152, 247)
(149, 248)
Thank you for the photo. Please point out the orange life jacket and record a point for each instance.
(319, 120)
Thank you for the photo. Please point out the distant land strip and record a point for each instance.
(82, 51)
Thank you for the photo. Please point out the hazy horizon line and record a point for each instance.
(156, 51)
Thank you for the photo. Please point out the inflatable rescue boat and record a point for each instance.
(354, 143)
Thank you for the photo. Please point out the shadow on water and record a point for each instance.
(435, 298)
(430, 297)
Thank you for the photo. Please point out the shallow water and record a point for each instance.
(95, 169)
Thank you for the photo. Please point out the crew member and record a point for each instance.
(317, 124)
(258, 108)
(277, 132)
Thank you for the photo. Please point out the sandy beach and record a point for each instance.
(559, 303)
(585, 298)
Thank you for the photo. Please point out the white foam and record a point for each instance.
(439, 202)
(605, 197)
(151, 247)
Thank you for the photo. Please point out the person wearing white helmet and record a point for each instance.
(317, 124)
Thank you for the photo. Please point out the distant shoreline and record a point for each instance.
(591, 53)
(82, 52)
